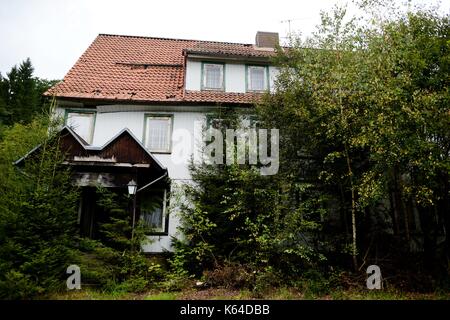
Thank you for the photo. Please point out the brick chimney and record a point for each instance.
(266, 39)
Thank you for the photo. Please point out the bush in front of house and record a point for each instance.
(115, 261)
(241, 227)
(37, 213)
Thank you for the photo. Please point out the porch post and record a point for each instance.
(134, 218)
(132, 190)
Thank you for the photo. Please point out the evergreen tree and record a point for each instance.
(21, 94)
(3, 100)
(23, 100)
(232, 214)
(38, 212)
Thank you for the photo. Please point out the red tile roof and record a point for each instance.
(144, 69)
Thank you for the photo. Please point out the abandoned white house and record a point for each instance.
(126, 95)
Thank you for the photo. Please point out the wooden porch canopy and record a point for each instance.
(115, 164)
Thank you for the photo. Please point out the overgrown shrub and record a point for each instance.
(37, 213)
(230, 275)
(117, 253)
(236, 222)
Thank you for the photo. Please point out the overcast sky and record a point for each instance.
(54, 33)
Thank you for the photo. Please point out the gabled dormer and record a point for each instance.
(219, 69)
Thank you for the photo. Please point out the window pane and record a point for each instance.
(158, 134)
(82, 124)
(152, 210)
(213, 76)
(257, 77)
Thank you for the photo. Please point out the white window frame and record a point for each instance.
(146, 139)
(249, 78)
(222, 76)
(164, 227)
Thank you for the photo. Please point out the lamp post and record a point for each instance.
(132, 188)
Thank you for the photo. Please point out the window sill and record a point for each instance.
(213, 89)
(257, 91)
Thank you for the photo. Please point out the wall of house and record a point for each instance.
(234, 76)
(110, 120)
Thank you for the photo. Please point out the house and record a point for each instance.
(126, 97)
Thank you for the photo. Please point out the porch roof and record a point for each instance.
(114, 164)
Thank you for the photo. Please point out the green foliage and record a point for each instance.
(364, 118)
(363, 113)
(236, 221)
(16, 285)
(313, 283)
(21, 96)
(162, 296)
(37, 213)
(175, 281)
(115, 261)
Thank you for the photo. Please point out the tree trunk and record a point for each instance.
(353, 211)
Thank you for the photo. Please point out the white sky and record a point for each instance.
(54, 33)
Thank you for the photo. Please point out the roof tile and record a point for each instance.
(146, 69)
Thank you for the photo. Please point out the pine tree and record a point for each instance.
(3, 100)
(23, 94)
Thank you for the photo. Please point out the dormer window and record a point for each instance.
(257, 78)
(213, 76)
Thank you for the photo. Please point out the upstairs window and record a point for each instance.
(256, 78)
(213, 76)
(158, 133)
(82, 122)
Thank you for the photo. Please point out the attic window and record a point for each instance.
(213, 76)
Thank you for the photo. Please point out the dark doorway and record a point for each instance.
(91, 215)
